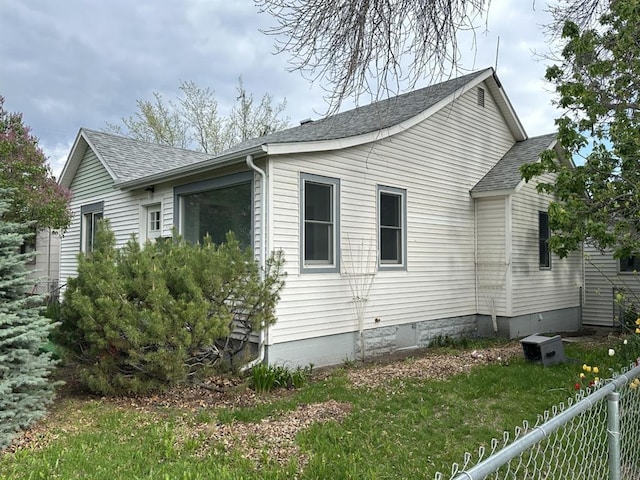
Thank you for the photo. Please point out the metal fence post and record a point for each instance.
(613, 434)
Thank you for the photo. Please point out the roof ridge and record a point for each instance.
(144, 142)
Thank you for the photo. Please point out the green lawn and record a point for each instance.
(404, 428)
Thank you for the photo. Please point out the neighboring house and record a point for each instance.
(44, 269)
(604, 278)
(400, 221)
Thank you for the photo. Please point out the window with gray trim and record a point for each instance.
(320, 223)
(544, 254)
(215, 207)
(630, 264)
(89, 217)
(392, 227)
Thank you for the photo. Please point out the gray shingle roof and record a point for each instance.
(505, 175)
(133, 160)
(366, 119)
(130, 159)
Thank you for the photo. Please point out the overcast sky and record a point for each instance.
(67, 64)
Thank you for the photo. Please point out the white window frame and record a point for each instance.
(89, 216)
(332, 265)
(400, 263)
(146, 210)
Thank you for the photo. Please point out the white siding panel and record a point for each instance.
(91, 184)
(438, 161)
(536, 289)
(601, 280)
(492, 261)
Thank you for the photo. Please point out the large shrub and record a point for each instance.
(143, 318)
(25, 390)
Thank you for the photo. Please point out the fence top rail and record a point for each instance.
(540, 432)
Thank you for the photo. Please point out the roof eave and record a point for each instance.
(517, 129)
(214, 163)
(73, 160)
(376, 135)
(493, 193)
(76, 155)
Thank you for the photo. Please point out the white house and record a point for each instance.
(605, 277)
(400, 221)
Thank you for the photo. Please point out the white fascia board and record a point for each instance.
(73, 160)
(507, 109)
(346, 142)
(493, 193)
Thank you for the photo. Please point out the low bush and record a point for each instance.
(143, 318)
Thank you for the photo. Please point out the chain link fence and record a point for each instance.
(594, 436)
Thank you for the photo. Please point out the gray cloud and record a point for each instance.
(73, 63)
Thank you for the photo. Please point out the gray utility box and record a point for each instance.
(546, 350)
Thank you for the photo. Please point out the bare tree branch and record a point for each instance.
(353, 47)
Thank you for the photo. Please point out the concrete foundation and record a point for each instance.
(336, 349)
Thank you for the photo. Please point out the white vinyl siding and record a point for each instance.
(438, 161)
(537, 289)
(124, 209)
(602, 278)
(493, 264)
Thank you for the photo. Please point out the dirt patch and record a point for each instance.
(432, 365)
(272, 438)
(274, 435)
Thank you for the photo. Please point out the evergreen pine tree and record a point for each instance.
(25, 389)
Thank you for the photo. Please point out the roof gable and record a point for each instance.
(505, 177)
(366, 123)
(134, 163)
(127, 159)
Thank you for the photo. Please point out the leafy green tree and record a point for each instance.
(25, 389)
(193, 120)
(598, 85)
(141, 319)
(36, 196)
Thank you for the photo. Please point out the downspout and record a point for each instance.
(262, 257)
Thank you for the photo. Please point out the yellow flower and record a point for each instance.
(588, 369)
(582, 375)
(638, 321)
(595, 370)
(637, 330)
(597, 379)
(635, 384)
(585, 366)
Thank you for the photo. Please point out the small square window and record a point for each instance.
(154, 221)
